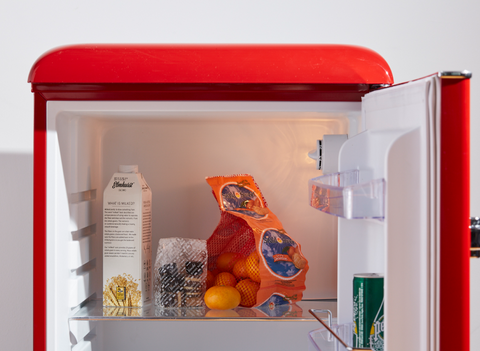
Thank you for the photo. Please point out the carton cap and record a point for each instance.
(128, 168)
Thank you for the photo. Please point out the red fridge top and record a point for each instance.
(209, 72)
(306, 64)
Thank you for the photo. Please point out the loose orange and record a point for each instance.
(222, 298)
(227, 260)
(248, 291)
(225, 278)
(240, 269)
(253, 266)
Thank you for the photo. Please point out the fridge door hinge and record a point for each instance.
(455, 74)
(379, 86)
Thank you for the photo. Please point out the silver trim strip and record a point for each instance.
(455, 74)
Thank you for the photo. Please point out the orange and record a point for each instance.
(253, 266)
(222, 298)
(227, 260)
(210, 279)
(226, 279)
(240, 269)
(248, 291)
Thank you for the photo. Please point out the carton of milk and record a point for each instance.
(127, 239)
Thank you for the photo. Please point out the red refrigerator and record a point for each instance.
(391, 195)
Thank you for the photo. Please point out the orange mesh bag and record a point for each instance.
(250, 242)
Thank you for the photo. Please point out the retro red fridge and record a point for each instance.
(385, 191)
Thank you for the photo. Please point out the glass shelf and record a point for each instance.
(299, 311)
(342, 195)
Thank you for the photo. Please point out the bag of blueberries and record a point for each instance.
(180, 272)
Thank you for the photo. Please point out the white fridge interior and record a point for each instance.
(391, 137)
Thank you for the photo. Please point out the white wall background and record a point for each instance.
(416, 37)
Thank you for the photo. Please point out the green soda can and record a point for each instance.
(368, 316)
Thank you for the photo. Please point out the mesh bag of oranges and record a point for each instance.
(249, 249)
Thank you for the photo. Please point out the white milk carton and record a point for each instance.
(127, 239)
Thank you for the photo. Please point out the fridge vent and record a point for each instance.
(85, 268)
(82, 215)
(80, 288)
(87, 195)
(84, 232)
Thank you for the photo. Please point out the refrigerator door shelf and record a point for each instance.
(341, 194)
(322, 340)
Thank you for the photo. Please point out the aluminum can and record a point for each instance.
(368, 315)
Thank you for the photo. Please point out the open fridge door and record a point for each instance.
(400, 158)
(403, 121)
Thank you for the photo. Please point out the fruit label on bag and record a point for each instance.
(281, 258)
(246, 226)
(240, 197)
(276, 306)
(279, 251)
